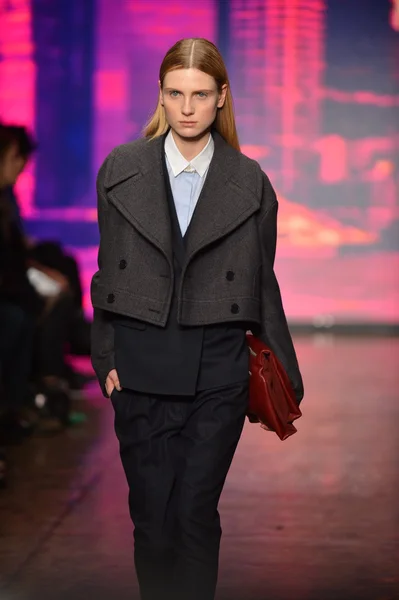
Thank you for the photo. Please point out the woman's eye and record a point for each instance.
(174, 94)
(202, 94)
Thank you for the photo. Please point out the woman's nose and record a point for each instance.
(187, 108)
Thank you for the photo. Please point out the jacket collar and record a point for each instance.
(137, 189)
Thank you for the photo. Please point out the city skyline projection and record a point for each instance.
(316, 94)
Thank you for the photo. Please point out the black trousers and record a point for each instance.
(176, 453)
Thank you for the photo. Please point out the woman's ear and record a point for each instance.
(160, 93)
(222, 96)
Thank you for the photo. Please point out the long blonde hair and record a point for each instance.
(197, 53)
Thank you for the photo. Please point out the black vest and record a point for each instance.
(177, 360)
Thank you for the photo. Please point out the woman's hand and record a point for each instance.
(112, 382)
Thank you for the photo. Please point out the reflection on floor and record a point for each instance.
(313, 518)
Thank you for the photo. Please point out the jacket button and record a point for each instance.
(230, 275)
(110, 298)
(122, 264)
(235, 309)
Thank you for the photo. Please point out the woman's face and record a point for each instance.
(191, 99)
(11, 166)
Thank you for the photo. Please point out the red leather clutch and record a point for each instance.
(272, 401)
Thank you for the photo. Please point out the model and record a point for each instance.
(187, 246)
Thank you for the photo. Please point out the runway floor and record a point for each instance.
(313, 518)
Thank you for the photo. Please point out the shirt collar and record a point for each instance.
(177, 161)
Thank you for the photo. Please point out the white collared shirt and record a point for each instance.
(186, 178)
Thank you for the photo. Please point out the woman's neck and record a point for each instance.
(190, 148)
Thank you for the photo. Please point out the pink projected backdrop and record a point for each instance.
(333, 261)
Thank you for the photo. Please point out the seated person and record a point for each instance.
(48, 256)
(51, 313)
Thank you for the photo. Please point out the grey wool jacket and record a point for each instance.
(233, 231)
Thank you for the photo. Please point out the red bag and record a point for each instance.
(272, 401)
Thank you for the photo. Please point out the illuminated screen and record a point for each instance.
(316, 90)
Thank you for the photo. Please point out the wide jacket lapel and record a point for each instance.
(224, 203)
(137, 189)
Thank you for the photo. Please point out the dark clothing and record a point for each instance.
(47, 253)
(52, 332)
(50, 326)
(15, 287)
(176, 453)
(227, 276)
(11, 198)
(176, 359)
(170, 314)
(16, 345)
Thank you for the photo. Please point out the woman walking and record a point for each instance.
(187, 246)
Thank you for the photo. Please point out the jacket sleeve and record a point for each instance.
(102, 331)
(274, 331)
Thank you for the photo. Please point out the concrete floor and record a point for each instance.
(313, 518)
